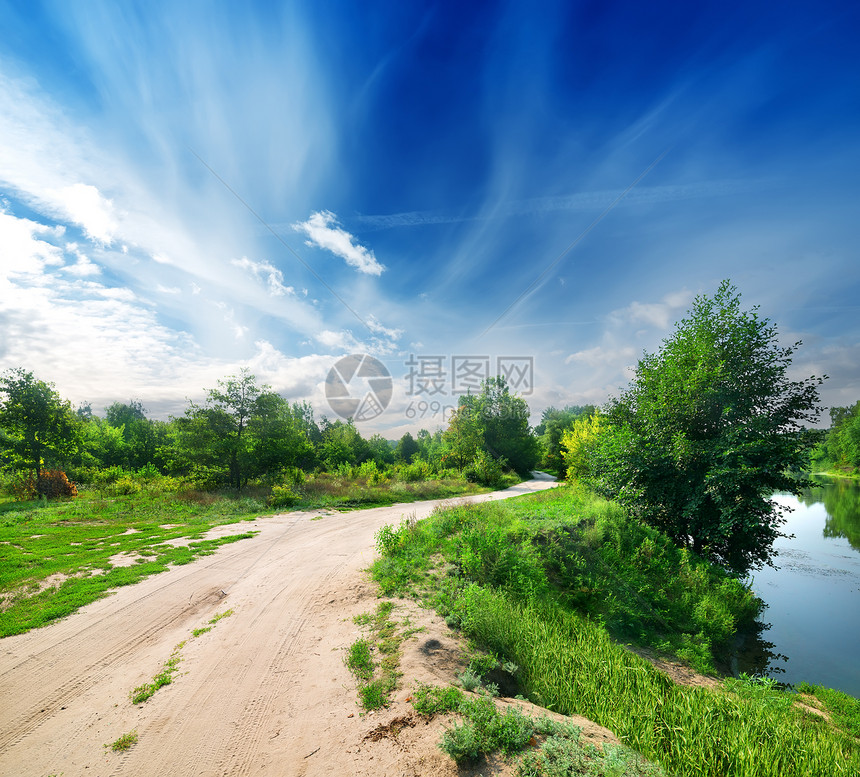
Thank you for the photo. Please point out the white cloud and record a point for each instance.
(168, 289)
(655, 314)
(598, 356)
(273, 277)
(83, 268)
(85, 206)
(323, 231)
(379, 329)
(342, 340)
(24, 250)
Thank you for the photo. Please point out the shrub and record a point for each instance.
(52, 484)
(486, 470)
(282, 496)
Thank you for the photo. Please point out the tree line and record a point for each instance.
(840, 449)
(243, 432)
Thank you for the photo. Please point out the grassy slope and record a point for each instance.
(501, 582)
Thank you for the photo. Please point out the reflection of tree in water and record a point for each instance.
(751, 653)
(841, 500)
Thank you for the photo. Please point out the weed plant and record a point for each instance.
(123, 743)
(165, 677)
(374, 690)
(483, 729)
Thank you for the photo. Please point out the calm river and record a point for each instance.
(811, 627)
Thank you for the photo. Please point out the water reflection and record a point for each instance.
(841, 500)
(809, 630)
(753, 654)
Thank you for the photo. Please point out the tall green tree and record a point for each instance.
(496, 422)
(554, 423)
(407, 448)
(141, 435)
(216, 435)
(708, 430)
(39, 427)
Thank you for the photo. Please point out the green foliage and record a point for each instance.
(37, 427)
(359, 659)
(243, 431)
(572, 547)
(495, 423)
(407, 448)
(578, 444)
(486, 730)
(282, 496)
(565, 756)
(840, 449)
(708, 430)
(431, 700)
(550, 431)
(486, 470)
(123, 743)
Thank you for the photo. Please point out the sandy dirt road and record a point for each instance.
(254, 696)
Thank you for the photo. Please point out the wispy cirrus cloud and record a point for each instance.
(324, 231)
(577, 202)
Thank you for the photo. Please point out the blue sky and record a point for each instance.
(189, 188)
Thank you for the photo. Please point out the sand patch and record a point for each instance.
(124, 559)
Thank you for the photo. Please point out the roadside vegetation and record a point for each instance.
(513, 577)
(554, 747)
(374, 660)
(60, 554)
(580, 551)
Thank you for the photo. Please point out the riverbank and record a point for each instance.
(511, 577)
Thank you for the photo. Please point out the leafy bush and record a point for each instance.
(486, 470)
(282, 496)
(52, 484)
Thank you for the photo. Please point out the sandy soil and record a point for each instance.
(265, 692)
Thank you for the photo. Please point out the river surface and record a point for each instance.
(810, 629)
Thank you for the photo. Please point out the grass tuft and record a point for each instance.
(125, 742)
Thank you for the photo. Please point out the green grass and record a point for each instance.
(70, 543)
(842, 709)
(385, 637)
(580, 551)
(550, 582)
(125, 742)
(572, 666)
